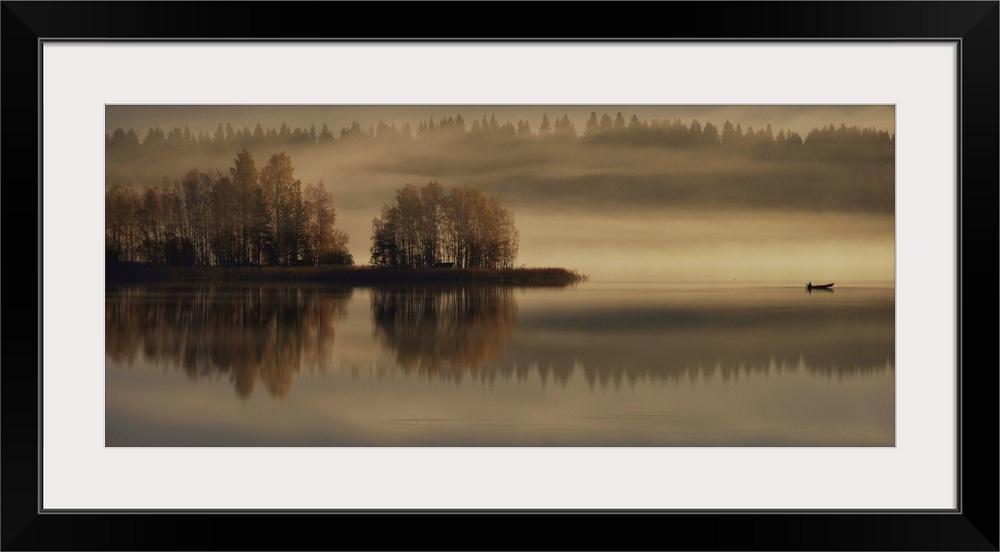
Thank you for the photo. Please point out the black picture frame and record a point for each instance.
(973, 525)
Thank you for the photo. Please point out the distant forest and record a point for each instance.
(606, 129)
(617, 160)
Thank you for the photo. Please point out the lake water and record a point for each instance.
(596, 364)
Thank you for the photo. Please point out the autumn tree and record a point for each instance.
(324, 244)
(423, 227)
(282, 192)
(226, 232)
(245, 218)
(246, 188)
(151, 226)
(196, 188)
(121, 232)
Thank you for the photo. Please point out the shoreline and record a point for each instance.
(135, 273)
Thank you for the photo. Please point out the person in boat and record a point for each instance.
(810, 284)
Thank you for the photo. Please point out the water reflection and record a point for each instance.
(443, 332)
(611, 345)
(487, 366)
(450, 333)
(250, 333)
(266, 334)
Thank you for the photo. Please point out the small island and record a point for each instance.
(359, 276)
(264, 226)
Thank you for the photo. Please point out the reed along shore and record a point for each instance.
(134, 273)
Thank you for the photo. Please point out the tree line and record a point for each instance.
(425, 227)
(603, 129)
(248, 217)
(265, 217)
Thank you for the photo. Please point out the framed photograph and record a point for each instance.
(691, 278)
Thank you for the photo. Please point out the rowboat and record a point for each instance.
(818, 286)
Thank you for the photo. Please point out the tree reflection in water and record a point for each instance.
(251, 333)
(265, 334)
(444, 332)
(612, 345)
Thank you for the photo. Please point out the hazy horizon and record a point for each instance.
(798, 118)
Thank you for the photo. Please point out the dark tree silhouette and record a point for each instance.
(245, 218)
(545, 128)
(424, 227)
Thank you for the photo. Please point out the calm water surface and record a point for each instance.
(598, 364)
